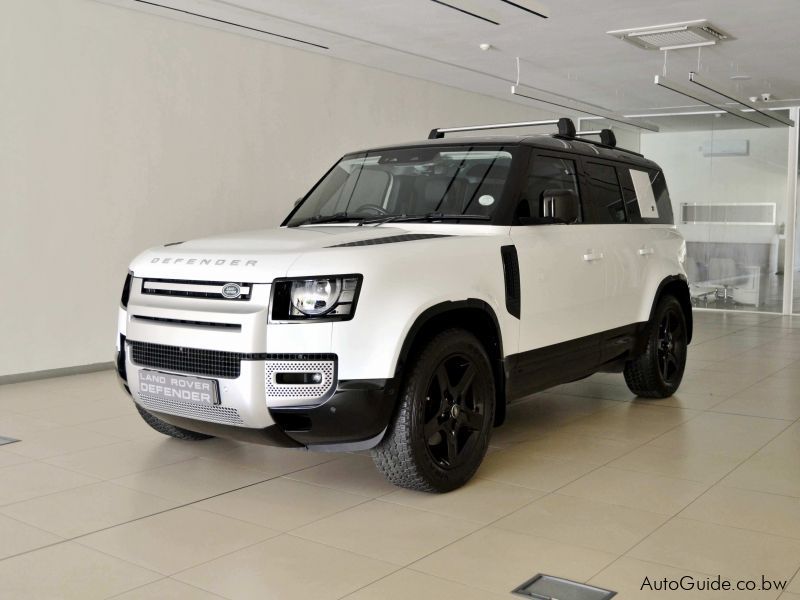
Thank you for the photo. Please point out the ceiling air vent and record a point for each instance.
(689, 34)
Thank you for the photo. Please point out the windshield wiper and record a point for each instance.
(339, 217)
(432, 216)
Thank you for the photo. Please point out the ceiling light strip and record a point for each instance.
(199, 16)
(466, 12)
(526, 9)
(705, 84)
(579, 106)
(662, 81)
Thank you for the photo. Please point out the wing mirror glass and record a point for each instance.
(561, 206)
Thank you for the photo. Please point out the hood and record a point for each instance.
(258, 256)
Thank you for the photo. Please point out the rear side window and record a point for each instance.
(606, 204)
(545, 173)
(646, 196)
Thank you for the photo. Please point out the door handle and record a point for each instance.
(646, 251)
(591, 255)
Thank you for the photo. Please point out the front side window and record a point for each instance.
(409, 182)
(607, 205)
(546, 173)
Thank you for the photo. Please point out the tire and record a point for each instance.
(171, 430)
(658, 371)
(440, 432)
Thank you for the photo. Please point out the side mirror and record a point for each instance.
(561, 206)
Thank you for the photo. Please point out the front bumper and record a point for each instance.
(348, 415)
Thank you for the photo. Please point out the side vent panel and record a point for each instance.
(511, 275)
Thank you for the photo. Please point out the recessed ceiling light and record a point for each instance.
(673, 36)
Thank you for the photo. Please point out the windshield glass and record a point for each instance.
(410, 182)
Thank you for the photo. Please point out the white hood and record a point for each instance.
(251, 256)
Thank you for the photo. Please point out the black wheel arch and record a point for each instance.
(473, 315)
(677, 286)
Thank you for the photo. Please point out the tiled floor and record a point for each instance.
(584, 482)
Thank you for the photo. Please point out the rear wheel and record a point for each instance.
(170, 430)
(441, 431)
(658, 371)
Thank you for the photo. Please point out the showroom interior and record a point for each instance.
(128, 125)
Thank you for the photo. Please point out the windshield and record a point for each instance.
(434, 182)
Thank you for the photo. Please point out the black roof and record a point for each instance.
(541, 141)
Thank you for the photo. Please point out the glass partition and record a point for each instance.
(728, 185)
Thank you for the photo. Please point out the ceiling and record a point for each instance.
(568, 53)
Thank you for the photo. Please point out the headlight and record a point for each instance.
(331, 298)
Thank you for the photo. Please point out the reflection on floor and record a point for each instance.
(584, 482)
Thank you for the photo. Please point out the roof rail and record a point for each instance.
(565, 127)
(566, 130)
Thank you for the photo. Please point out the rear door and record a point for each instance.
(562, 277)
(609, 214)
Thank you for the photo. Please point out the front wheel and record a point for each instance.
(658, 371)
(440, 434)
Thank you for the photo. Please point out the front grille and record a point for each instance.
(215, 290)
(214, 363)
(192, 410)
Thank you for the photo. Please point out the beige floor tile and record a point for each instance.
(85, 509)
(747, 509)
(272, 461)
(128, 427)
(350, 473)
(125, 458)
(167, 589)
(714, 433)
(16, 537)
(177, 539)
(388, 532)
(566, 446)
(20, 426)
(76, 412)
(691, 401)
(631, 422)
(794, 584)
(640, 580)
(675, 462)
(758, 401)
(789, 596)
(191, 480)
(8, 459)
(645, 491)
(732, 553)
(281, 503)
(406, 584)
(771, 473)
(480, 500)
(581, 522)
(33, 479)
(278, 569)
(54, 442)
(69, 571)
(498, 561)
(531, 470)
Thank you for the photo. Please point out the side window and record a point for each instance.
(607, 205)
(646, 196)
(545, 173)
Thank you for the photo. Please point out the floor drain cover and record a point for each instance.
(547, 587)
(6, 440)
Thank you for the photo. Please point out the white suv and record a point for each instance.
(412, 295)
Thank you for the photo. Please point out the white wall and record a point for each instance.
(694, 178)
(121, 130)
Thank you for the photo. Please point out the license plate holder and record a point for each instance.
(182, 388)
